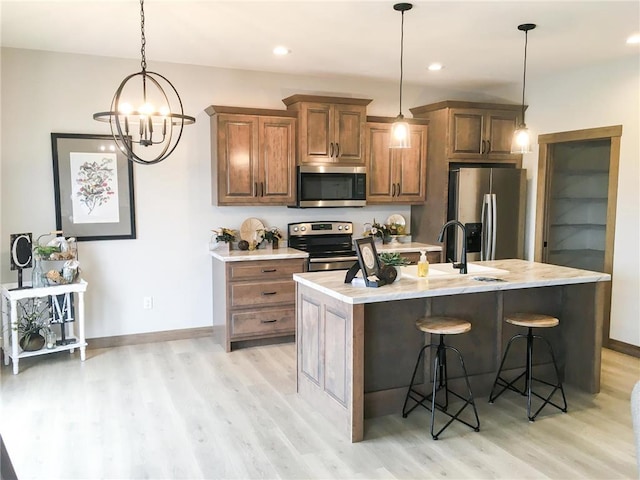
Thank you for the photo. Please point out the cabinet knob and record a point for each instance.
(337, 150)
(268, 293)
(269, 270)
(398, 190)
(488, 146)
(331, 149)
(269, 321)
(393, 190)
(483, 147)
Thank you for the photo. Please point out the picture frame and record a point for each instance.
(93, 183)
(368, 260)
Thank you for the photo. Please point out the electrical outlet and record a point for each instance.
(147, 303)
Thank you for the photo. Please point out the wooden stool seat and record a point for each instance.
(532, 320)
(443, 325)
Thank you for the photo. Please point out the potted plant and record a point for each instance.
(272, 235)
(379, 231)
(223, 238)
(33, 322)
(393, 259)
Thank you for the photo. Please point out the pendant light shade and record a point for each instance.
(521, 142)
(146, 110)
(400, 134)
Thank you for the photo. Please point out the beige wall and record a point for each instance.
(46, 92)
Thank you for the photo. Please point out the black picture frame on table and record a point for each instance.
(368, 260)
(86, 183)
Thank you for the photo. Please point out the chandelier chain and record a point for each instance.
(143, 39)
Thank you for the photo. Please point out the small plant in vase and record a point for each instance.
(33, 322)
(223, 237)
(378, 231)
(393, 259)
(272, 235)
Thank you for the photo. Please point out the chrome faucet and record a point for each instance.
(463, 261)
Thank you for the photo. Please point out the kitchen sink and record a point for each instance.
(444, 270)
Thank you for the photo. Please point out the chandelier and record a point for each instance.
(521, 142)
(400, 136)
(152, 124)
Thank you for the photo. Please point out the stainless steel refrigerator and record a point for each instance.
(490, 202)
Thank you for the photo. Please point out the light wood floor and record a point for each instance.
(186, 409)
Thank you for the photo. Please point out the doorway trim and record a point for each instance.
(546, 143)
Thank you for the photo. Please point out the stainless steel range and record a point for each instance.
(329, 244)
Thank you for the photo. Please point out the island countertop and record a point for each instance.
(518, 274)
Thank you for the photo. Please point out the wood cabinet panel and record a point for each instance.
(331, 129)
(247, 294)
(263, 322)
(482, 133)
(395, 175)
(265, 270)
(253, 155)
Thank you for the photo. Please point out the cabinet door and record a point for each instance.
(237, 157)
(411, 168)
(380, 163)
(500, 126)
(348, 134)
(466, 133)
(276, 168)
(316, 133)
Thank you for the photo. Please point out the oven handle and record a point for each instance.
(333, 259)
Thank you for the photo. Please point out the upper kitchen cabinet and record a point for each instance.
(476, 131)
(253, 155)
(395, 175)
(331, 129)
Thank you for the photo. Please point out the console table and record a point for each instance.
(10, 297)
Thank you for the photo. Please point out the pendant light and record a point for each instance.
(400, 135)
(521, 142)
(153, 125)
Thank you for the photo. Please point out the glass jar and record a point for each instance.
(50, 338)
(37, 274)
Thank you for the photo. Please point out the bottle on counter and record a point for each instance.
(423, 265)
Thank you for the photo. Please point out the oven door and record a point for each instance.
(331, 263)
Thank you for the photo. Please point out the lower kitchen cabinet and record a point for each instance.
(256, 298)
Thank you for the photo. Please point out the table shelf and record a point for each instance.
(10, 297)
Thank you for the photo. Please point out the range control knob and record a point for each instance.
(339, 227)
(295, 229)
(347, 227)
(303, 229)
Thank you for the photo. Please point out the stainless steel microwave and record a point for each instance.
(331, 186)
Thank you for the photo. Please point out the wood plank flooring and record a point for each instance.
(187, 409)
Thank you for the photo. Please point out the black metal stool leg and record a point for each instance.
(406, 412)
(499, 381)
(558, 386)
(529, 372)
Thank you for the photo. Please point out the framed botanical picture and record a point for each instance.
(93, 182)
(368, 259)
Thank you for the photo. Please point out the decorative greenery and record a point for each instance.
(271, 234)
(226, 235)
(33, 318)
(378, 230)
(393, 259)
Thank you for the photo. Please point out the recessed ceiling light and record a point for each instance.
(434, 67)
(634, 39)
(280, 51)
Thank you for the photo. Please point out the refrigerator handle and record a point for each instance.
(486, 227)
(494, 225)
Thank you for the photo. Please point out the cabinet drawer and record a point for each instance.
(264, 321)
(260, 293)
(264, 270)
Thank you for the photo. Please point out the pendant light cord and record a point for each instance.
(524, 75)
(401, 56)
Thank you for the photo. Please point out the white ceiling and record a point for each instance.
(477, 41)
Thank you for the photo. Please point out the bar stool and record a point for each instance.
(441, 326)
(531, 321)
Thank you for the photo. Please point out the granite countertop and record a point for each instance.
(408, 247)
(516, 274)
(282, 253)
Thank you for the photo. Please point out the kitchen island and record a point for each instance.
(356, 346)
